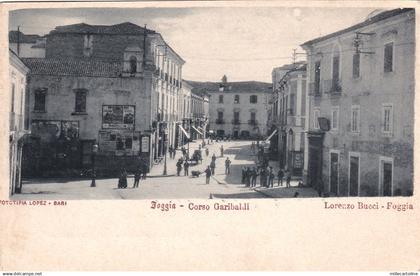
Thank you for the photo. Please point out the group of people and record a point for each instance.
(140, 173)
(182, 163)
(267, 176)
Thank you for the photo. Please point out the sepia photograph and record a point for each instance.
(114, 103)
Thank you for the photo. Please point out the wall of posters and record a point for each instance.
(49, 131)
(118, 116)
(119, 142)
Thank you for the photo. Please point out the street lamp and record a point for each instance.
(165, 143)
(94, 151)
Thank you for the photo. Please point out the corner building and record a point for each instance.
(361, 108)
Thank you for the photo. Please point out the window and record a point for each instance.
(220, 115)
(128, 142)
(253, 99)
(317, 78)
(316, 116)
(12, 109)
(355, 119)
(387, 119)
(236, 100)
(120, 144)
(388, 57)
(336, 73)
(133, 64)
(334, 118)
(87, 45)
(356, 65)
(253, 116)
(220, 98)
(236, 117)
(354, 173)
(40, 96)
(80, 103)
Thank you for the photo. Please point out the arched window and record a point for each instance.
(133, 64)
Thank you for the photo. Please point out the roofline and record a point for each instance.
(161, 37)
(20, 63)
(394, 12)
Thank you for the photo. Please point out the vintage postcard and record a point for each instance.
(266, 135)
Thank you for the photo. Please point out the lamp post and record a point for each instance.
(94, 151)
(165, 145)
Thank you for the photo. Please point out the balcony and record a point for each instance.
(332, 86)
(236, 122)
(253, 122)
(220, 121)
(315, 89)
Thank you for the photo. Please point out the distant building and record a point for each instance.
(238, 109)
(288, 116)
(17, 125)
(115, 85)
(27, 46)
(360, 131)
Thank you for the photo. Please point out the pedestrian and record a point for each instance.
(213, 158)
(262, 177)
(288, 178)
(221, 150)
(212, 167)
(173, 153)
(227, 165)
(254, 175)
(122, 181)
(186, 166)
(184, 151)
(248, 177)
(137, 176)
(271, 178)
(243, 175)
(207, 152)
(170, 151)
(208, 174)
(179, 166)
(280, 176)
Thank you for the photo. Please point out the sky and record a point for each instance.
(244, 43)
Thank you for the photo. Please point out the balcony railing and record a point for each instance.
(253, 122)
(236, 122)
(220, 121)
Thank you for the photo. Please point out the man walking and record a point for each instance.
(227, 166)
(212, 167)
(280, 176)
(208, 174)
(207, 152)
(137, 176)
(288, 178)
(221, 150)
(179, 166)
(186, 167)
(254, 175)
(213, 158)
(271, 178)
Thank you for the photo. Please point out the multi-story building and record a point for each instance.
(18, 127)
(238, 109)
(288, 116)
(27, 46)
(361, 107)
(184, 114)
(115, 86)
(200, 114)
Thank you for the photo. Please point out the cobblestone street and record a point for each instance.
(157, 186)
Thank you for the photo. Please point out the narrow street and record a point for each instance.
(157, 186)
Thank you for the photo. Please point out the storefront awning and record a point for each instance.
(197, 130)
(184, 131)
(271, 135)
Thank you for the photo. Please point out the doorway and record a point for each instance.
(334, 168)
(385, 176)
(354, 174)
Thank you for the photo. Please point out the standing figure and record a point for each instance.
(221, 150)
(137, 176)
(227, 166)
(122, 181)
(280, 176)
(179, 166)
(213, 158)
(288, 178)
(207, 152)
(208, 174)
(262, 177)
(243, 175)
(186, 166)
(212, 167)
(271, 178)
(170, 151)
(248, 177)
(254, 175)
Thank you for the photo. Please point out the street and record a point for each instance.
(157, 186)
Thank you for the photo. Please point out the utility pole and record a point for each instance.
(144, 45)
(18, 41)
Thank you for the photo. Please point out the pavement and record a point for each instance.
(158, 186)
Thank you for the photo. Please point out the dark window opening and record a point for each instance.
(356, 66)
(336, 73)
(220, 98)
(253, 99)
(388, 57)
(133, 64)
(236, 100)
(317, 78)
(128, 142)
(120, 144)
(40, 96)
(80, 104)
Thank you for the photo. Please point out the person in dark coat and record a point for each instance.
(280, 176)
(207, 152)
(221, 150)
(227, 166)
(179, 167)
(213, 158)
(122, 181)
(137, 176)
(254, 174)
(212, 167)
(248, 177)
(288, 178)
(208, 174)
(171, 149)
(243, 175)
(263, 177)
(186, 167)
(271, 178)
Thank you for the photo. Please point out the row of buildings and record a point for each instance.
(116, 88)
(344, 120)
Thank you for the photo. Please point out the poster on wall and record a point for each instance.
(120, 142)
(145, 144)
(118, 116)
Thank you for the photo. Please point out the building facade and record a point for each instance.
(115, 86)
(238, 109)
(361, 107)
(288, 116)
(18, 127)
